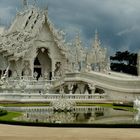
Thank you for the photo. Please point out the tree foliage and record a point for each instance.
(124, 62)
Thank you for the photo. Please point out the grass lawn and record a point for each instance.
(10, 116)
(23, 104)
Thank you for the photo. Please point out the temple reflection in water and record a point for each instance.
(99, 115)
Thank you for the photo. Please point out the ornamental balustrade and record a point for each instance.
(76, 96)
(50, 97)
(33, 110)
(28, 79)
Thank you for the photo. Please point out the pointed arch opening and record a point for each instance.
(43, 65)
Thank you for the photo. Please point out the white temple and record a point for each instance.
(37, 64)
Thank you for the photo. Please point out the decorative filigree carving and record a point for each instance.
(63, 104)
(58, 70)
(92, 88)
(26, 70)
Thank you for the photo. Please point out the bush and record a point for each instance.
(3, 112)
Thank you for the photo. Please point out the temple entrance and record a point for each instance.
(38, 73)
(42, 65)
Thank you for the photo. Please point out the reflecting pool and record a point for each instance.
(93, 115)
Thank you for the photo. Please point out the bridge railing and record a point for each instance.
(75, 96)
(28, 80)
(50, 97)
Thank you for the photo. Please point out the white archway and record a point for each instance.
(43, 64)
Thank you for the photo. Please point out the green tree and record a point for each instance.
(124, 62)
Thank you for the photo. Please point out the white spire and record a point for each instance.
(96, 34)
(25, 3)
(35, 2)
(78, 41)
(96, 43)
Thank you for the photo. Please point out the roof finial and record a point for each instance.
(96, 35)
(78, 40)
(96, 42)
(35, 2)
(25, 3)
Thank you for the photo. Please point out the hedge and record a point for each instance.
(3, 112)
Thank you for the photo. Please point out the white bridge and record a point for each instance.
(80, 86)
(110, 81)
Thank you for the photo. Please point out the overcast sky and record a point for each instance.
(117, 21)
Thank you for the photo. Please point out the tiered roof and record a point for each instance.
(17, 40)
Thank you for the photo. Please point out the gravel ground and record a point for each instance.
(9, 132)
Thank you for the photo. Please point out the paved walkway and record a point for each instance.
(8, 132)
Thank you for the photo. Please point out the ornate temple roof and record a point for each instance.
(25, 29)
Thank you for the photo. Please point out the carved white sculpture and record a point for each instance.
(35, 75)
(88, 68)
(70, 87)
(137, 107)
(137, 104)
(63, 104)
(92, 88)
(58, 70)
(46, 75)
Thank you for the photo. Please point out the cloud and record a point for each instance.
(111, 18)
(117, 21)
(129, 30)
